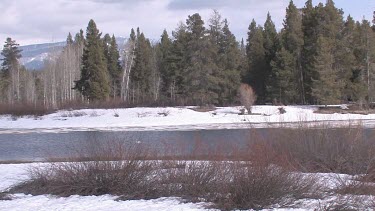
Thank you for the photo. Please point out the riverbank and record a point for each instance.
(12, 174)
(182, 118)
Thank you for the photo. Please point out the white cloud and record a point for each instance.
(36, 21)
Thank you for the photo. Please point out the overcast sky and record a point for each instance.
(40, 21)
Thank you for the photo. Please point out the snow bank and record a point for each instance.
(183, 118)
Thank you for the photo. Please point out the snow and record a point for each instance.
(11, 174)
(24, 202)
(179, 118)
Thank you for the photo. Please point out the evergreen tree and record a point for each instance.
(94, 82)
(229, 64)
(112, 56)
(284, 88)
(271, 46)
(288, 73)
(132, 34)
(141, 72)
(69, 39)
(349, 76)
(325, 87)
(177, 62)
(201, 71)
(79, 39)
(10, 71)
(167, 74)
(256, 74)
(364, 53)
(310, 35)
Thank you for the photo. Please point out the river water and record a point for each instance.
(36, 146)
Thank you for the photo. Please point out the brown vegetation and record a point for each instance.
(247, 97)
(129, 173)
(4, 197)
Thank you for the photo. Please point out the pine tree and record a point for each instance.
(112, 56)
(141, 72)
(349, 76)
(94, 82)
(325, 87)
(271, 46)
(167, 74)
(284, 88)
(177, 63)
(10, 71)
(229, 64)
(310, 33)
(256, 74)
(69, 39)
(79, 39)
(288, 74)
(364, 53)
(201, 71)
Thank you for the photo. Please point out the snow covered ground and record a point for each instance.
(179, 118)
(11, 174)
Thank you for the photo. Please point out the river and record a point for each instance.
(38, 146)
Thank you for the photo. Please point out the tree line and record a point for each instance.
(318, 57)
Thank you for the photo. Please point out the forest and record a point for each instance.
(318, 57)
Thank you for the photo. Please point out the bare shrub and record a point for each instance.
(347, 150)
(4, 197)
(24, 109)
(281, 110)
(204, 108)
(94, 114)
(111, 170)
(143, 114)
(197, 179)
(116, 113)
(257, 187)
(247, 97)
(164, 112)
(73, 114)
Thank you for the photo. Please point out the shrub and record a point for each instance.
(347, 150)
(257, 187)
(73, 114)
(24, 109)
(108, 170)
(4, 197)
(247, 97)
(282, 110)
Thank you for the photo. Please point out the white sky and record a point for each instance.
(40, 21)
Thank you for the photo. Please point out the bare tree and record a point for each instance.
(129, 56)
(247, 97)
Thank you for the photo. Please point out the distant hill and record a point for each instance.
(34, 55)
